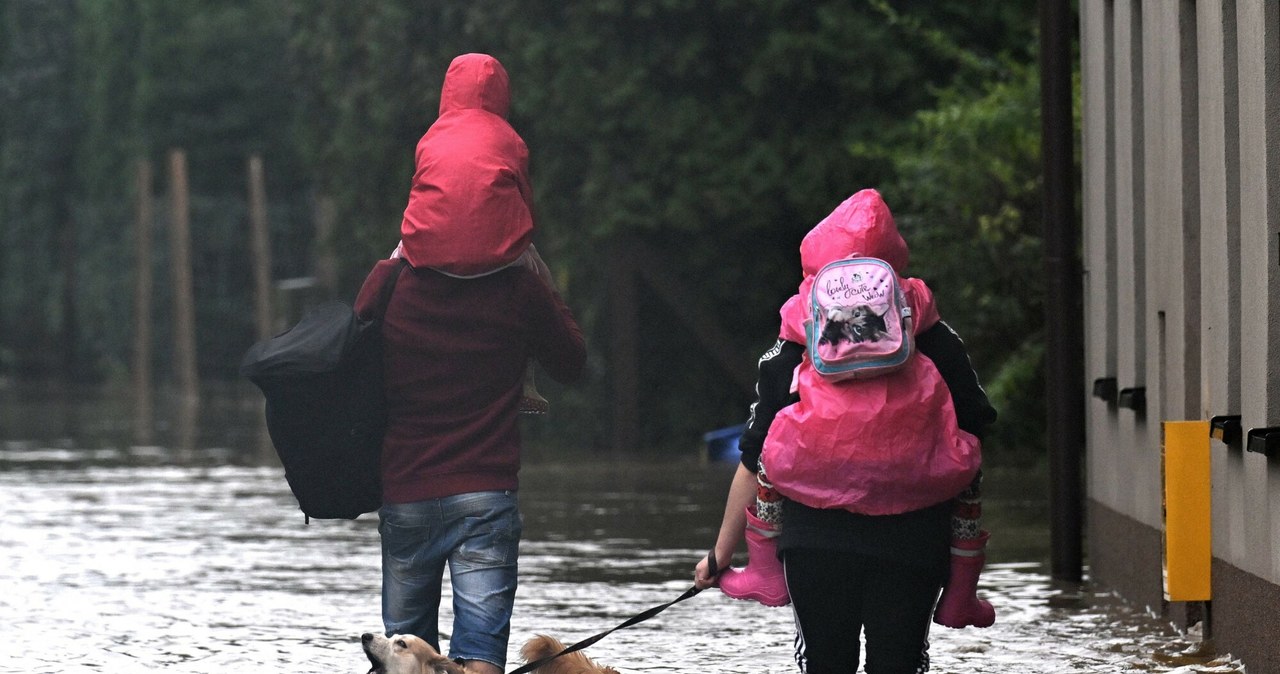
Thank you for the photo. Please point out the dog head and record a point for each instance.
(405, 654)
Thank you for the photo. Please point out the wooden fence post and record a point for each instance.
(144, 416)
(260, 248)
(184, 347)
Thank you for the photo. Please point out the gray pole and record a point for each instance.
(1064, 314)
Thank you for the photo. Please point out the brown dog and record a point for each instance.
(572, 663)
(405, 654)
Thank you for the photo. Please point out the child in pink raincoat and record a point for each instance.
(875, 477)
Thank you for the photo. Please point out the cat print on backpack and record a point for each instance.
(853, 324)
(859, 322)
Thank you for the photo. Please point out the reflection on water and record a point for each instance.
(120, 560)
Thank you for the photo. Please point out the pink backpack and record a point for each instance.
(859, 323)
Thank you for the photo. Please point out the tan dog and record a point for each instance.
(405, 654)
(572, 663)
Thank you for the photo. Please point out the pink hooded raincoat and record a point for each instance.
(470, 207)
(877, 446)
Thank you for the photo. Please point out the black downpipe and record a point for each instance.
(1064, 313)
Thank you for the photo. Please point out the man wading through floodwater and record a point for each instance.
(464, 319)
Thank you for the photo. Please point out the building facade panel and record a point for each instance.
(1129, 188)
(1257, 36)
(1220, 250)
(1099, 241)
(1181, 162)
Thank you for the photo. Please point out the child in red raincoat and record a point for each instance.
(470, 210)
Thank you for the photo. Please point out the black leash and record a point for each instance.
(637, 618)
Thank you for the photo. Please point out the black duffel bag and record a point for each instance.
(325, 405)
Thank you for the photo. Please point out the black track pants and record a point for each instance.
(835, 595)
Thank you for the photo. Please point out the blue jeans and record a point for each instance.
(478, 535)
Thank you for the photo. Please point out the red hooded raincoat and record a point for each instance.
(470, 207)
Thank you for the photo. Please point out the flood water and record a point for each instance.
(116, 557)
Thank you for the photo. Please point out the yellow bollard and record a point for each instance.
(1188, 541)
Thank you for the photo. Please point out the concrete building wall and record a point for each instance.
(1220, 214)
(1259, 44)
(1181, 227)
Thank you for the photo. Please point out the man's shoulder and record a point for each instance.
(375, 282)
(513, 284)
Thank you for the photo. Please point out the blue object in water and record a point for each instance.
(722, 444)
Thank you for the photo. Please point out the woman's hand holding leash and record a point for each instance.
(707, 571)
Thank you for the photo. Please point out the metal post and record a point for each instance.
(1064, 352)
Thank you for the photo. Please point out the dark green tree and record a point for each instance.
(209, 78)
(716, 133)
(967, 185)
(38, 251)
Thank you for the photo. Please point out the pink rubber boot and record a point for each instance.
(960, 605)
(762, 579)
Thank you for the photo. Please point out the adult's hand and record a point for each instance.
(703, 577)
(742, 492)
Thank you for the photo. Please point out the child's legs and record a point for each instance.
(533, 401)
(532, 261)
(530, 385)
(966, 514)
(768, 500)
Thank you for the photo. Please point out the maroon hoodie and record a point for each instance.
(456, 351)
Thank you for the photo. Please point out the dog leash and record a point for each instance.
(637, 618)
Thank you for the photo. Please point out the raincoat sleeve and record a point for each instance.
(944, 347)
(773, 392)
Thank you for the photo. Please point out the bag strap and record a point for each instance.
(388, 288)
